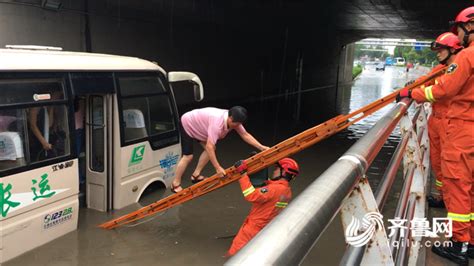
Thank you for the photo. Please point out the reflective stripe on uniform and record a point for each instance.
(281, 204)
(248, 191)
(472, 216)
(463, 218)
(438, 183)
(429, 94)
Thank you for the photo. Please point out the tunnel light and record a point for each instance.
(51, 4)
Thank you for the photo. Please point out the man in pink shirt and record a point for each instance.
(207, 125)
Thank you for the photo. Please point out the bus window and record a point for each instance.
(134, 119)
(31, 91)
(33, 135)
(47, 131)
(141, 85)
(12, 133)
(97, 158)
(162, 121)
(35, 126)
(147, 109)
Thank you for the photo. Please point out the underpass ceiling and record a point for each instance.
(357, 18)
(368, 18)
(398, 18)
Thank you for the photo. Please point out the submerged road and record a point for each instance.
(199, 232)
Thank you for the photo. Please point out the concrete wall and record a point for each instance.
(243, 55)
(346, 61)
(30, 25)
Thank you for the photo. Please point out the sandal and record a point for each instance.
(173, 188)
(197, 179)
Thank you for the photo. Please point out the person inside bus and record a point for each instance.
(207, 125)
(9, 152)
(46, 137)
(5, 121)
(79, 126)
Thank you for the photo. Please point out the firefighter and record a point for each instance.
(266, 201)
(457, 155)
(446, 46)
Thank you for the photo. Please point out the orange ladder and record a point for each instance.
(266, 158)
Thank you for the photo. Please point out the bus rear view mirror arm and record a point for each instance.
(191, 77)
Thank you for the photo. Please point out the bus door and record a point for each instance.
(98, 152)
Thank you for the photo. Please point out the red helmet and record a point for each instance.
(445, 41)
(464, 16)
(289, 167)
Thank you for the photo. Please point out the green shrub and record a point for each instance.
(356, 71)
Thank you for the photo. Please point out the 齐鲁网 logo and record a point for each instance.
(358, 234)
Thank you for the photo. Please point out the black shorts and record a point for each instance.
(186, 141)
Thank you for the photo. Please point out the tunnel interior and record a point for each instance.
(292, 56)
(283, 60)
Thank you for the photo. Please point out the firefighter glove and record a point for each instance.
(241, 167)
(403, 94)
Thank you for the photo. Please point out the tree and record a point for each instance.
(401, 51)
(423, 56)
(429, 56)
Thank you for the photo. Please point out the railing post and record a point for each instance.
(419, 187)
(415, 168)
(357, 205)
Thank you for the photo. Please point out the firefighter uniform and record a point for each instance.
(436, 133)
(457, 155)
(267, 202)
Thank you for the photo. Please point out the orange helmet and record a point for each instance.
(465, 16)
(445, 41)
(289, 168)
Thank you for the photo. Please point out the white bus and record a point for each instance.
(399, 61)
(131, 138)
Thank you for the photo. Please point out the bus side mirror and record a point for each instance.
(191, 77)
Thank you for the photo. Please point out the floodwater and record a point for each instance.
(200, 232)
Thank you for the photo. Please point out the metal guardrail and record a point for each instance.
(354, 255)
(343, 187)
